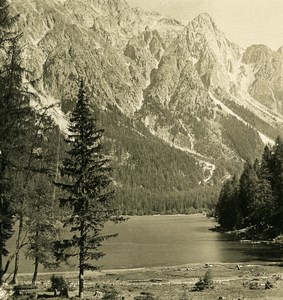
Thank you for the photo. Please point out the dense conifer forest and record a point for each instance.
(41, 189)
(254, 200)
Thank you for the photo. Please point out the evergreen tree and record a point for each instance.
(6, 218)
(14, 105)
(86, 187)
(20, 127)
(41, 228)
(247, 183)
(262, 205)
(18, 121)
(277, 181)
(7, 22)
(33, 196)
(227, 208)
(260, 202)
(41, 232)
(264, 199)
(265, 170)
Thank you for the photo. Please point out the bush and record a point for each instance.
(109, 293)
(58, 284)
(205, 282)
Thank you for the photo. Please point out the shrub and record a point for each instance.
(109, 293)
(58, 284)
(205, 282)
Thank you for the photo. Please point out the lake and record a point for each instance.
(175, 240)
(146, 241)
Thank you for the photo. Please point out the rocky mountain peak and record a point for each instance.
(213, 54)
(176, 82)
(267, 66)
(203, 24)
(117, 9)
(204, 19)
(204, 28)
(257, 54)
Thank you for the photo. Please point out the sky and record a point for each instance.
(244, 22)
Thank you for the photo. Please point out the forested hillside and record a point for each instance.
(180, 104)
(254, 200)
(107, 111)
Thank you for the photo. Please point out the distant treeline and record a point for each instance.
(255, 200)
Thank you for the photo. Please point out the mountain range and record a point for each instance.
(182, 106)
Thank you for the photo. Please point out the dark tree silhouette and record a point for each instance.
(86, 186)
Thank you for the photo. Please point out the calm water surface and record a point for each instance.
(171, 240)
(175, 240)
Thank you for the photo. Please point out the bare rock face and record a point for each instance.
(215, 56)
(267, 65)
(185, 85)
(91, 39)
(198, 61)
(145, 51)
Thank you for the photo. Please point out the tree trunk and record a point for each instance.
(36, 260)
(81, 264)
(81, 282)
(1, 247)
(18, 245)
(36, 264)
(2, 167)
(1, 267)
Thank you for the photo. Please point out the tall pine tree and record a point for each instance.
(14, 105)
(86, 186)
(16, 126)
(247, 184)
(6, 217)
(41, 228)
(260, 204)
(277, 181)
(227, 209)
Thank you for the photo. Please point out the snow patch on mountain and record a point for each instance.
(52, 107)
(265, 139)
(270, 117)
(207, 167)
(208, 170)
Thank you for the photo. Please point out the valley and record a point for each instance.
(117, 122)
(158, 79)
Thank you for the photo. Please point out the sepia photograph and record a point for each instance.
(141, 149)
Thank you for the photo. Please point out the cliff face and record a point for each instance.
(90, 39)
(267, 65)
(186, 86)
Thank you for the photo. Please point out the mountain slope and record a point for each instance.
(182, 105)
(267, 65)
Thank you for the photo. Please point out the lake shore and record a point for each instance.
(137, 264)
(230, 281)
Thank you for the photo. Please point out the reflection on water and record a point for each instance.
(176, 240)
(172, 240)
